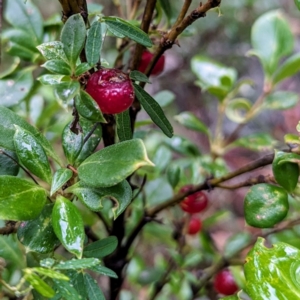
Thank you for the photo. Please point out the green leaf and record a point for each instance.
(265, 205)
(138, 76)
(289, 68)
(66, 290)
(297, 3)
(272, 273)
(7, 130)
(60, 178)
(77, 281)
(101, 248)
(11, 68)
(77, 264)
(183, 146)
(65, 91)
(31, 154)
(154, 110)
(120, 194)
(53, 50)
(237, 109)
(113, 164)
(7, 165)
(93, 290)
(281, 100)
(236, 243)
(47, 262)
(15, 88)
(173, 174)
(94, 43)
(164, 98)
(25, 16)
(68, 225)
(50, 273)
(190, 121)
(72, 143)
(125, 28)
(82, 68)
(213, 76)
(37, 235)
(104, 271)
(20, 199)
(38, 284)
(57, 66)
(49, 79)
(88, 108)
(92, 142)
(124, 126)
(73, 38)
(167, 7)
(271, 39)
(285, 171)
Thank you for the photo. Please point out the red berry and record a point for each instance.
(194, 226)
(194, 203)
(145, 60)
(224, 283)
(111, 89)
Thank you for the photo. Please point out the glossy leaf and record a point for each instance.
(72, 143)
(31, 154)
(101, 248)
(47, 262)
(120, 194)
(73, 38)
(173, 174)
(15, 88)
(65, 91)
(49, 79)
(77, 264)
(113, 164)
(39, 284)
(190, 121)
(77, 281)
(271, 39)
(93, 290)
(68, 225)
(272, 273)
(154, 110)
(281, 100)
(286, 172)
(60, 178)
(66, 290)
(82, 68)
(37, 235)
(124, 126)
(53, 50)
(8, 166)
(265, 205)
(25, 16)
(125, 28)
(50, 273)
(7, 130)
(138, 76)
(92, 142)
(104, 271)
(20, 199)
(88, 108)
(57, 66)
(237, 109)
(94, 43)
(212, 76)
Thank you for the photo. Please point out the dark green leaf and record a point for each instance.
(265, 205)
(8, 166)
(82, 68)
(94, 43)
(154, 110)
(125, 28)
(72, 143)
(37, 235)
(66, 290)
(124, 126)
(20, 199)
(68, 225)
(88, 108)
(65, 91)
(77, 281)
(173, 174)
(57, 66)
(281, 100)
(190, 121)
(31, 154)
(272, 273)
(73, 38)
(297, 2)
(53, 50)
(93, 290)
(101, 248)
(113, 164)
(104, 271)
(77, 264)
(167, 7)
(61, 177)
(138, 76)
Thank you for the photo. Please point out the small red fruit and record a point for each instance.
(111, 89)
(224, 283)
(145, 60)
(194, 203)
(194, 226)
